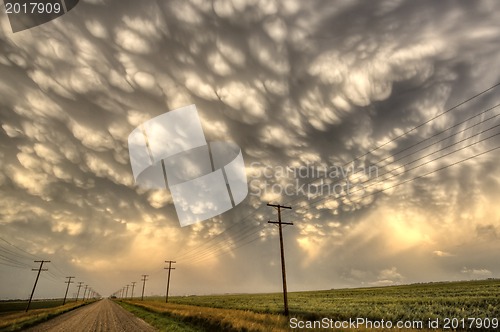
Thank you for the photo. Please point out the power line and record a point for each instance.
(205, 255)
(12, 262)
(227, 246)
(445, 130)
(13, 265)
(424, 175)
(442, 140)
(50, 278)
(419, 126)
(202, 256)
(209, 244)
(215, 246)
(212, 248)
(53, 276)
(58, 270)
(374, 182)
(235, 248)
(406, 171)
(427, 121)
(442, 156)
(14, 255)
(439, 141)
(30, 254)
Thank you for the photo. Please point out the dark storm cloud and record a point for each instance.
(293, 83)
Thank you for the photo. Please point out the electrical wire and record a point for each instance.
(207, 250)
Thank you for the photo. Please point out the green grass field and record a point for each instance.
(10, 306)
(161, 322)
(418, 302)
(452, 299)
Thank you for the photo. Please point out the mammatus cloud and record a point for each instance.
(440, 253)
(298, 84)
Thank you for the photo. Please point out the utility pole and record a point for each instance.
(144, 278)
(126, 292)
(283, 271)
(79, 286)
(169, 268)
(85, 292)
(36, 280)
(67, 282)
(133, 286)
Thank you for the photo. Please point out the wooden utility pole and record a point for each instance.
(85, 292)
(169, 268)
(144, 278)
(133, 286)
(36, 280)
(79, 286)
(126, 292)
(67, 282)
(283, 270)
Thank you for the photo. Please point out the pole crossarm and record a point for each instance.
(282, 223)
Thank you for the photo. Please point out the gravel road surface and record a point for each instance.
(103, 315)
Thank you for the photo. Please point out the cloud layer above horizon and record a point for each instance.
(297, 84)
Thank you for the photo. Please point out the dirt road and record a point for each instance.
(103, 315)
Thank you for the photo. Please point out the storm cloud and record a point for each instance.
(297, 85)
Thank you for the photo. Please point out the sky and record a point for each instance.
(343, 110)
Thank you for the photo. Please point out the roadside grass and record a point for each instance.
(215, 319)
(20, 320)
(160, 315)
(10, 306)
(160, 321)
